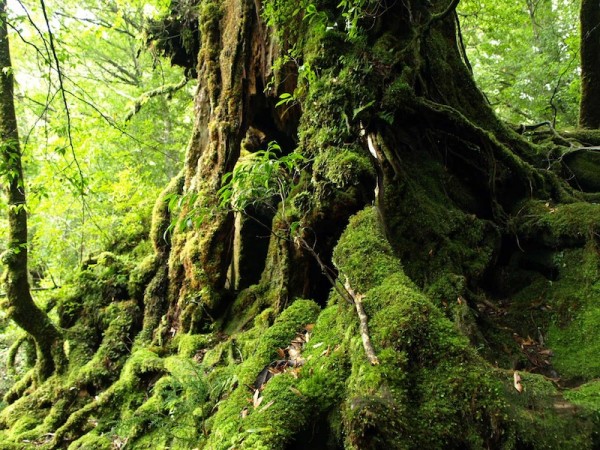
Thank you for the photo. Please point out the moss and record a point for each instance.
(563, 309)
(161, 217)
(543, 419)
(274, 427)
(585, 170)
(431, 390)
(20, 386)
(576, 345)
(462, 405)
(429, 227)
(92, 441)
(300, 313)
(35, 404)
(124, 393)
(426, 366)
(23, 424)
(155, 306)
(246, 306)
(119, 321)
(140, 277)
(139, 363)
(172, 415)
(564, 225)
(386, 49)
(364, 255)
(344, 168)
(445, 291)
(273, 289)
(374, 421)
(228, 427)
(289, 403)
(9, 445)
(586, 396)
(188, 345)
(397, 94)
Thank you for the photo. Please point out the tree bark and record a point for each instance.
(19, 304)
(589, 112)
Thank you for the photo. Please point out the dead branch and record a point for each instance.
(364, 328)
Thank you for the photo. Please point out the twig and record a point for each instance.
(364, 327)
(325, 270)
(64, 98)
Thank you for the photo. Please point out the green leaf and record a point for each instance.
(360, 109)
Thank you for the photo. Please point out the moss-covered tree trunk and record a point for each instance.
(19, 304)
(233, 66)
(589, 113)
(468, 252)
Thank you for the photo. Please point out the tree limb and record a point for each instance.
(162, 90)
(445, 13)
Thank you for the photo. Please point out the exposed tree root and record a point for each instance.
(14, 350)
(19, 388)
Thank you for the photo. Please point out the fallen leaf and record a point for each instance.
(244, 413)
(257, 399)
(267, 406)
(281, 353)
(326, 351)
(318, 345)
(298, 341)
(528, 341)
(294, 353)
(517, 382)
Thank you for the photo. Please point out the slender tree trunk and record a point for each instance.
(19, 304)
(589, 113)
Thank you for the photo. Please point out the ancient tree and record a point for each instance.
(465, 250)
